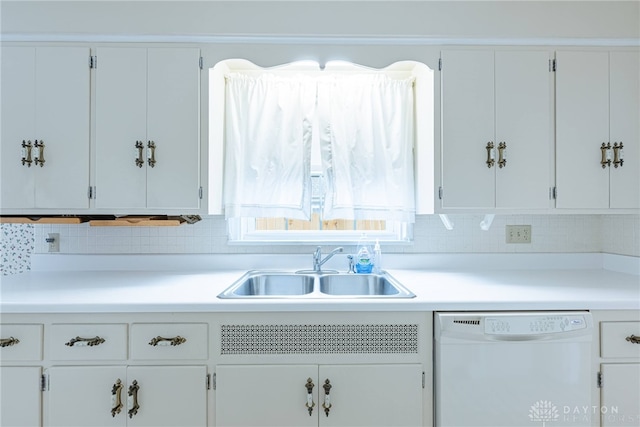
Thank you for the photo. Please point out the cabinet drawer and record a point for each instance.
(620, 339)
(88, 341)
(169, 341)
(21, 342)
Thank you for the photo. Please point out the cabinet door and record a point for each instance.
(266, 395)
(18, 93)
(45, 97)
(82, 396)
(523, 123)
(174, 127)
(625, 127)
(582, 125)
(372, 395)
(121, 120)
(620, 394)
(63, 126)
(170, 396)
(467, 128)
(20, 391)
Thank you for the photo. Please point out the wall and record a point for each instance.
(618, 234)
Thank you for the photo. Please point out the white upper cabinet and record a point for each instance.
(598, 111)
(45, 128)
(147, 128)
(496, 129)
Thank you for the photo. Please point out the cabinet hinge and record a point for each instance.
(599, 380)
(44, 383)
(200, 193)
(424, 381)
(201, 63)
(440, 191)
(93, 61)
(440, 64)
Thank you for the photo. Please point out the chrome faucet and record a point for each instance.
(317, 258)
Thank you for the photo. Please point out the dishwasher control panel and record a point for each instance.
(534, 324)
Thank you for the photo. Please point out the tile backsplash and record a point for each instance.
(618, 234)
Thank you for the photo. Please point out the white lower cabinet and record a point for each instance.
(21, 396)
(619, 368)
(150, 396)
(324, 395)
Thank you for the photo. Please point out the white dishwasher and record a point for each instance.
(512, 368)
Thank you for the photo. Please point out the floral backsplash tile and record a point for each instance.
(16, 246)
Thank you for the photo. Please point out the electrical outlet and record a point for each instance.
(53, 239)
(518, 233)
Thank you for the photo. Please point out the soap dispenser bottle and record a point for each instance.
(377, 258)
(364, 261)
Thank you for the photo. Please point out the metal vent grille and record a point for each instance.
(316, 339)
(467, 322)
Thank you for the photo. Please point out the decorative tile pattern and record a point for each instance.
(319, 339)
(16, 247)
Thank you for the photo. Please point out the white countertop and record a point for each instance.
(79, 284)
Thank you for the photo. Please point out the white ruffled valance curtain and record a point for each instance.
(268, 146)
(366, 134)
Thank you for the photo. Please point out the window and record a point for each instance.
(314, 191)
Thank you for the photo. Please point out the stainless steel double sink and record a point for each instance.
(308, 284)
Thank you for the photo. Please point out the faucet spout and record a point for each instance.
(317, 258)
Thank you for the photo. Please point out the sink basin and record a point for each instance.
(271, 284)
(362, 285)
(278, 284)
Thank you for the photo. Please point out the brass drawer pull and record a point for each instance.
(310, 403)
(132, 402)
(151, 153)
(633, 339)
(116, 398)
(618, 154)
(605, 151)
(85, 341)
(8, 342)
(177, 340)
(502, 158)
(40, 159)
(139, 159)
(327, 398)
(490, 154)
(26, 153)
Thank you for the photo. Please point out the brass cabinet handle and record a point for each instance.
(26, 153)
(116, 398)
(605, 151)
(490, 154)
(85, 341)
(40, 159)
(310, 403)
(139, 158)
(327, 397)
(132, 403)
(618, 154)
(633, 339)
(177, 340)
(502, 160)
(151, 153)
(8, 342)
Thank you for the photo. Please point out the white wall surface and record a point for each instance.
(442, 19)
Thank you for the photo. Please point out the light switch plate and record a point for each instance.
(518, 233)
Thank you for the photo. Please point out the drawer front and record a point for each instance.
(169, 341)
(620, 339)
(88, 341)
(20, 342)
